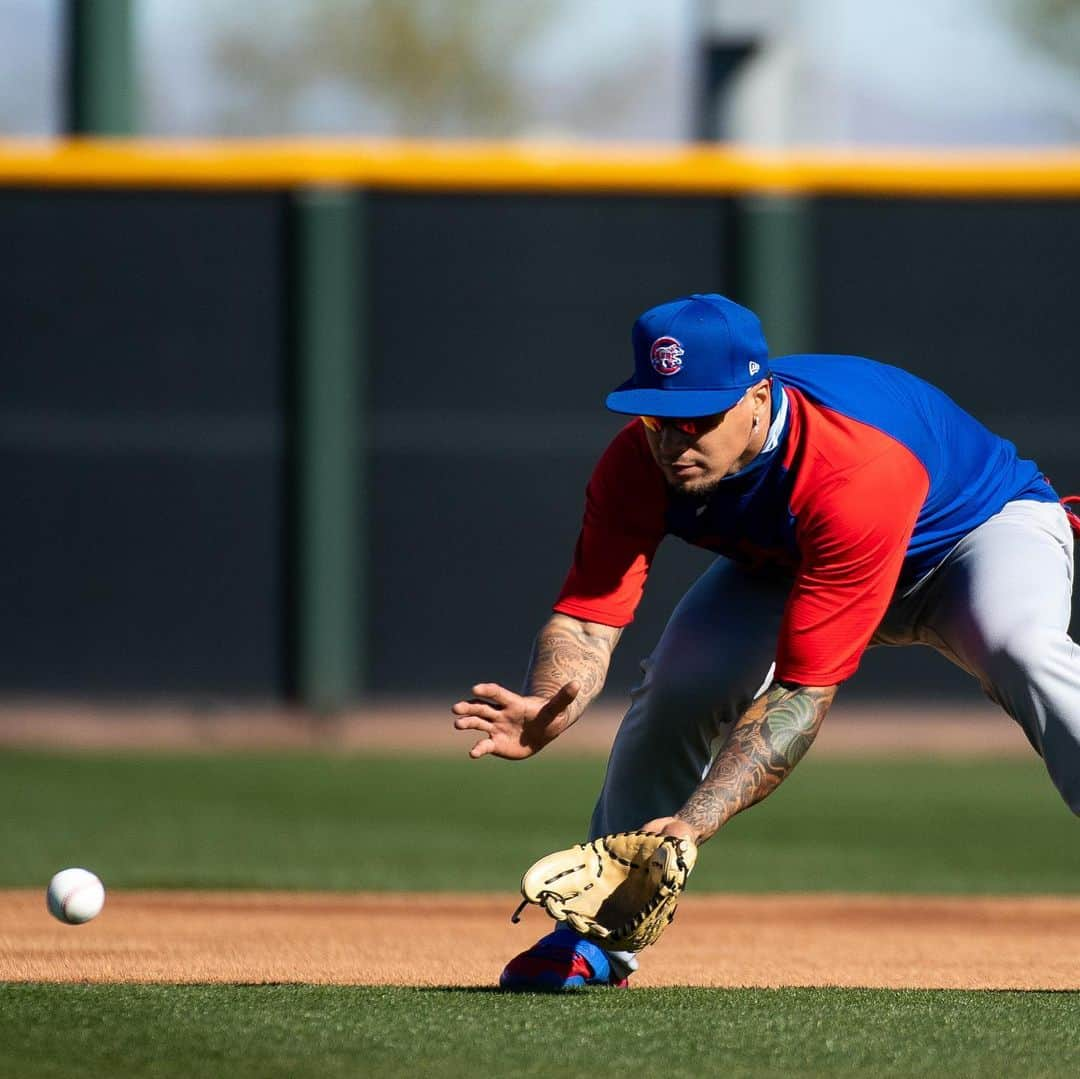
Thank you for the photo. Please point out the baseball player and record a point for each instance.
(854, 505)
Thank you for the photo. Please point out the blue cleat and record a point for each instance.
(561, 960)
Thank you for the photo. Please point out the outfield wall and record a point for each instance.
(152, 417)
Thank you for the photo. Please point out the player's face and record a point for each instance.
(723, 444)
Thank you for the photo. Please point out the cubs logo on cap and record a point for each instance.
(666, 356)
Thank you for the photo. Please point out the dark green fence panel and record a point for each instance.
(161, 351)
(142, 443)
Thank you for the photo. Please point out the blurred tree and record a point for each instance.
(1053, 25)
(428, 67)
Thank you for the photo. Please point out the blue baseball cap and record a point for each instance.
(695, 356)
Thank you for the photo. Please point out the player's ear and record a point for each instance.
(761, 393)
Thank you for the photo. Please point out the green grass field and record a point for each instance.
(314, 1031)
(312, 821)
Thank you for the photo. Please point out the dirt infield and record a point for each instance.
(463, 940)
(413, 726)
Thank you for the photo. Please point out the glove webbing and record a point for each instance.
(663, 892)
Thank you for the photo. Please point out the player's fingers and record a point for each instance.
(670, 826)
(473, 723)
(657, 825)
(482, 748)
(475, 708)
(494, 692)
(467, 707)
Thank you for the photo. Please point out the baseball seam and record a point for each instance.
(69, 895)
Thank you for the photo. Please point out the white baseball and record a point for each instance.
(75, 896)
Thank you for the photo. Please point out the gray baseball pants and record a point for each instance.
(998, 607)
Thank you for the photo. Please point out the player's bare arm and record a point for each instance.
(569, 650)
(764, 746)
(567, 669)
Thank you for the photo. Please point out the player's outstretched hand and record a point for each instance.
(513, 726)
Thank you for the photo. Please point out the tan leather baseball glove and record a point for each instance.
(620, 890)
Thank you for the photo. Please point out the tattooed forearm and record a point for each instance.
(764, 745)
(567, 649)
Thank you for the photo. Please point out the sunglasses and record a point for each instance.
(693, 426)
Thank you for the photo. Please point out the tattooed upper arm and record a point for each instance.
(568, 649)
(764, 746)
